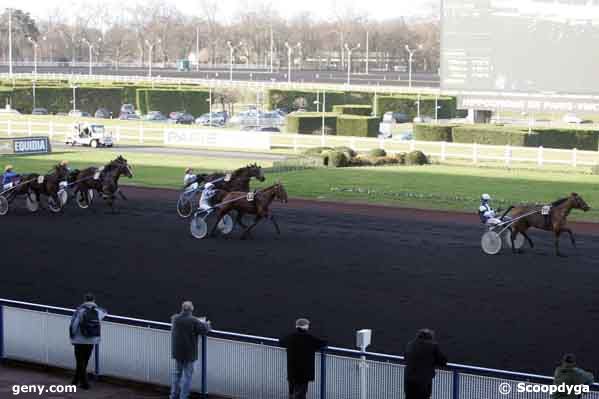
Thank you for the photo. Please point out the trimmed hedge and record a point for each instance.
(310, 122)
(287, 99)
(568, 139)
(166, 101)
(416, 158)
(354, 109)
(59, 99)
(406, 103)
(337, 159)
(428, 132)
(493, 135)
(362, 126)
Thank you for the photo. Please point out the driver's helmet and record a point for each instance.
(8, 168)
(209, 186)
(64, 163)
(485, 198)
(188, 171)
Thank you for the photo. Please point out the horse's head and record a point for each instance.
(280, 193)
(61, 171)
(254, 170)
(121, 165)
(578, 202)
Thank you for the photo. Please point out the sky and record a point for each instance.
(376, 9)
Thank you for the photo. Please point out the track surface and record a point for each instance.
(345, 270)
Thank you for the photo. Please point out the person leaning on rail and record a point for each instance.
(301, 348)
(422, 357)
(567, 373)
(85, 333)
(186, 328)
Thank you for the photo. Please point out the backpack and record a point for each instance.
(89, 323)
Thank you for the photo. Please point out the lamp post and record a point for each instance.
(90, 47)
(367, 52)
(74, 86)
(410, 59)
(35, 48)
(349, 51)
(289, 52)
(10, 41)
(150, 49)
(272, 46)
(231, 51)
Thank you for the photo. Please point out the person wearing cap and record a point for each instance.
(189, 177)
(301, 349)
(423, 356)
(569, 374)
(208, 195)
(9, 175)
(485, 211)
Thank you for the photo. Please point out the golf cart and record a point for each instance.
(90, 134)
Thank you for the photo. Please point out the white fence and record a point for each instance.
(233, 365)
(143, 133)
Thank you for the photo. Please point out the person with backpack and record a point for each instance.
(85, 332)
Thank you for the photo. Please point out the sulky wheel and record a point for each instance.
(53, 205)
(184, 206)
(518, 240)
(3, 205)
(198, 227)
(31, 203)
(491, 243)
(226, 225)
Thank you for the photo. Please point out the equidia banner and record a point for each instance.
(25, 145)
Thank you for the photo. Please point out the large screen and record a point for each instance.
(528, 46)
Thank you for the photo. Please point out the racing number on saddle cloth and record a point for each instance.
(250, 196)
(40, 179)
(545, 210)
(97, 174)
(227, 177)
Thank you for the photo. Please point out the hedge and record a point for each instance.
(493, 135)
(166, 101)
(406, 103)
(310, 122)
(427, 132)
(567, 138)
(353, 109)
(287, 99)
(352, 125)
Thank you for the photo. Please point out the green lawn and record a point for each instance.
(456, 188)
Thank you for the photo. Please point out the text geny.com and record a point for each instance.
(42, 389)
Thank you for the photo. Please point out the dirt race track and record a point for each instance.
(345, 267)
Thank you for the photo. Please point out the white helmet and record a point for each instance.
(209, 185)
(485, 197)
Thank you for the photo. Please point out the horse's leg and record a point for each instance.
(557, 234)
(219, 217)
(121, 194)
(527, 239)
(239, 219)
(247, 231)
(513, 233)
(274, 221)
(567, 230)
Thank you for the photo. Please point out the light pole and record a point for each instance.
(198, 48)
(35, 47)
(231, 51)
(349, 51)
(150, 49)
(410, 59)
(90, 46)
(289, 52)
(74, 86)
(272, 46)
(10, 41)
(367, 52)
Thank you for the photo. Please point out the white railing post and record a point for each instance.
(382, 144)
(118, 133)
(540, 156)
(352, 143)
(574, 157)
(165, 136)
(322, 140)
(443, 151)
(29, 127)
(295, 143)
(474, 153)
(412, 145)
(508, 154)
(9, 127)
(50, 129)
(141, 133)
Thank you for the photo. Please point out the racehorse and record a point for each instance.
(238, 181)
(555, 221)
(105, 181)
(48, 185)
(257, 204)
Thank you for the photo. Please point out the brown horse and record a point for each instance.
(105, 181)
(259, 206)
(555, 221)
(238, 181)
(48, 185)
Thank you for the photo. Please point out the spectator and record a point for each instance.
(85, 332)
(422, 357)
(567, 373)
(184, 345)
(301, 347)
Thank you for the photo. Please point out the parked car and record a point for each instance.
(128, 116)
(217, 119)
(395, 117)
(90, 134)
(79, 114)
(39, 111)
(572, 118)
(155, 116)
(423, 119)
(103, 113)
(261, 129)
(9, 111)
(181, 118)
(127, 108)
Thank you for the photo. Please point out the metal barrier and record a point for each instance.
(234, 365)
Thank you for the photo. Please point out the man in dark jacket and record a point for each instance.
(184, 345)
(422, 357)
(301, 348)
(571, 375)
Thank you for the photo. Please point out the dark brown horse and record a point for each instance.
(239, 180)
(556, 220)
(259, 206)
(104, 181)
(48, 185)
